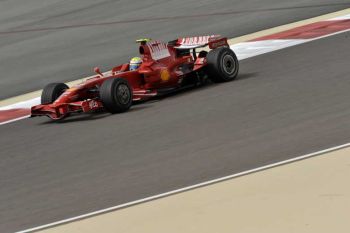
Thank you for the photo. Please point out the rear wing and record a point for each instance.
(213, 41)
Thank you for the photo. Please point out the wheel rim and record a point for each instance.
(123, 94)
(229, 64)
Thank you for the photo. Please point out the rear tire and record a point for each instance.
(52, 91)
(223, 65)
(116, 95)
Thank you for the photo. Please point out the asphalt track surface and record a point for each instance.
(44, 41)
(284, 104)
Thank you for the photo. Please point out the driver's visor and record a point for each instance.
(134, 66)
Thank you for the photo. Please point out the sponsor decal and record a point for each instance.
(218, 43)
(197, 40)
(164, 75)
(158, 50)
(93, 104)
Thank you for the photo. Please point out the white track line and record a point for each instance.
(128, 204)
(16, 119)
(250, 49)
(22, 104)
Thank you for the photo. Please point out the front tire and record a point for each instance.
(223, 65)
(116, 95)
(52, 91)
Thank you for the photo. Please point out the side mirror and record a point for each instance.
(98, 71)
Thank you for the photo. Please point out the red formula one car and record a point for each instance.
(165, 67)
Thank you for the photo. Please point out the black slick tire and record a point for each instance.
(52, 91)
(116, 95)
(222, 65)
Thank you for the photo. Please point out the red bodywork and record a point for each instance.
(164, 66)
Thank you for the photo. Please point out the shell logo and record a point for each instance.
(164, 75)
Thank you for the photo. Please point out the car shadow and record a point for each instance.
(245, 76)
(78, 117)
(93, 116)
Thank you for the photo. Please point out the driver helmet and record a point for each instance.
(135, 63)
